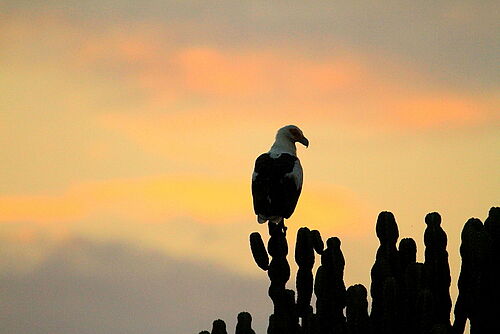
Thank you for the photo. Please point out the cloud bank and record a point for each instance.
(87, 287)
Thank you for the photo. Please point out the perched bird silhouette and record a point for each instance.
(277, 177)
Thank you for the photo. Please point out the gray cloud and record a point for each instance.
(456, 41)
(89, 287)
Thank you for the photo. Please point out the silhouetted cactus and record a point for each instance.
(330, 289)
(284, 319)
(437, 268)
(387, 264)
(390, 319)
(492, 226)
(440, 329)
(219, 327)
(279, 274)
(358, 321)
(474, 255)
(304, 257)
(259, 251)
(407, 296)
(491, 291)
(307, 243)
(244, 325)
(407, 257)
(424, 311)
(477, 285)
(407, 253)
(317, 241)
(414, 278)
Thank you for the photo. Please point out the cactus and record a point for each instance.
(478, 291)
(244, 325)
(317, 241)
(390, 319)
(492, 226)
(407, 253)
(473, 254)
(304, 257)
(279, 274)
(414, 278)
(278, 271)
(259, 251)
(440, 329)
(437, 268)
(386, 265)
(407, 296)
(330, 289)
(219, 327)
(285, 321)
(358, 321)
(424, 314)
(491, 291)
(407, 257)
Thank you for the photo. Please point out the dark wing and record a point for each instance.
(261, 184)
(276, 185)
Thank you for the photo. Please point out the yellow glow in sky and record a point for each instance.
(143, 127)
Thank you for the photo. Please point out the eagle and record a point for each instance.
(277, 177)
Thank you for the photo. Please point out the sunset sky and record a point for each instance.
(129, 130)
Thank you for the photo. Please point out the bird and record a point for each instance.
(277, 178)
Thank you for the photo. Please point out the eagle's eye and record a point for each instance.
(295, 133)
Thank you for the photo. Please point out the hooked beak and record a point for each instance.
(304, 141)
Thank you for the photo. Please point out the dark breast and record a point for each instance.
(274, 193)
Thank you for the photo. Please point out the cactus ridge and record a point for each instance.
(407, 296)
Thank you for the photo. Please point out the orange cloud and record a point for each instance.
(159, 74)
(150, 65)
(161, 199)
(276, 83)
(146, 200)
(40, 209)
(429, 111)
(254, 72)
(188, 217)
(210, 71)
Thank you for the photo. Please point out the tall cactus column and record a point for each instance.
(386, 268)
(307, 242)
(437, 268)
(279, 269)
(358, 321)
(304, 256)
(285, 318)
(410, 281)
(330, 289)
(477, 284)
(491, 289)
(470, 281)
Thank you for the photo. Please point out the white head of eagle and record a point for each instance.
(277, 177)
